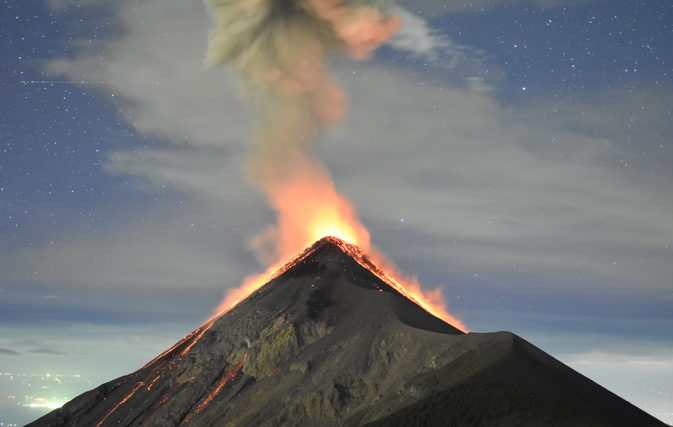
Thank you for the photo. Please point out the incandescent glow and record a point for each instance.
(431, 301)
(309, 208)
(328, 223)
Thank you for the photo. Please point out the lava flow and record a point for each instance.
(430, 301)
(223, 381)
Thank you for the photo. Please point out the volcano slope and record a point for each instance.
(329, 341)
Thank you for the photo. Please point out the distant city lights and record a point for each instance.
(50, 405)
(37, 392)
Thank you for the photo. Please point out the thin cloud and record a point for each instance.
(442, 58)
(45, 351)
(437, 8)
(8, 352)
(603, 358)
(418, 39)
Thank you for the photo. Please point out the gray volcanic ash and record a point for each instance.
(329, 341)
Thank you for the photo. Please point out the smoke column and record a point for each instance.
(279, 49)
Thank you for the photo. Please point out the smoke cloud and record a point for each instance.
(279, 48)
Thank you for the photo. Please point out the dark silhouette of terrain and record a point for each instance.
(329, 341)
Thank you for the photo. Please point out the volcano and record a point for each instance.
(331, 340)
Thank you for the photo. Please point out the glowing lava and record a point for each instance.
(327, 223)
(431, 301)
(223, 381)
(308, 208)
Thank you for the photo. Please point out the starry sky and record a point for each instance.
(517, 154)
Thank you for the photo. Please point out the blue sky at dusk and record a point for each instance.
(517, 154)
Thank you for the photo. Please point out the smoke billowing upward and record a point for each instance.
(279, 49)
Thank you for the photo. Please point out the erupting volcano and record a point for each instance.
(281, 49)
(335, 336)
(331, 340)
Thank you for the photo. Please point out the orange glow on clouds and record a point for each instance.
(309, 208)
(328, 223)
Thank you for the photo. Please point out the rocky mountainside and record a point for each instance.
(329, 341)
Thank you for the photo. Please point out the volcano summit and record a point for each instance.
(331, 341)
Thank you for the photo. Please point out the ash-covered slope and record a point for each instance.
(328, 342)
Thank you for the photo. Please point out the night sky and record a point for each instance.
(517, 154)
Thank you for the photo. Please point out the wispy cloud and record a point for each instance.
(439, 57)
(604, 358)
(45, 351)
(418, 39)
(436, 8)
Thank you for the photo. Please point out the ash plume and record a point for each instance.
(279, 49)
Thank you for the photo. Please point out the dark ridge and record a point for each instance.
(516, 384)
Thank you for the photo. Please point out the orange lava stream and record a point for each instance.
(194, 337)
(131, 393)
(199, 333)
(430, 301)
(221, 384)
